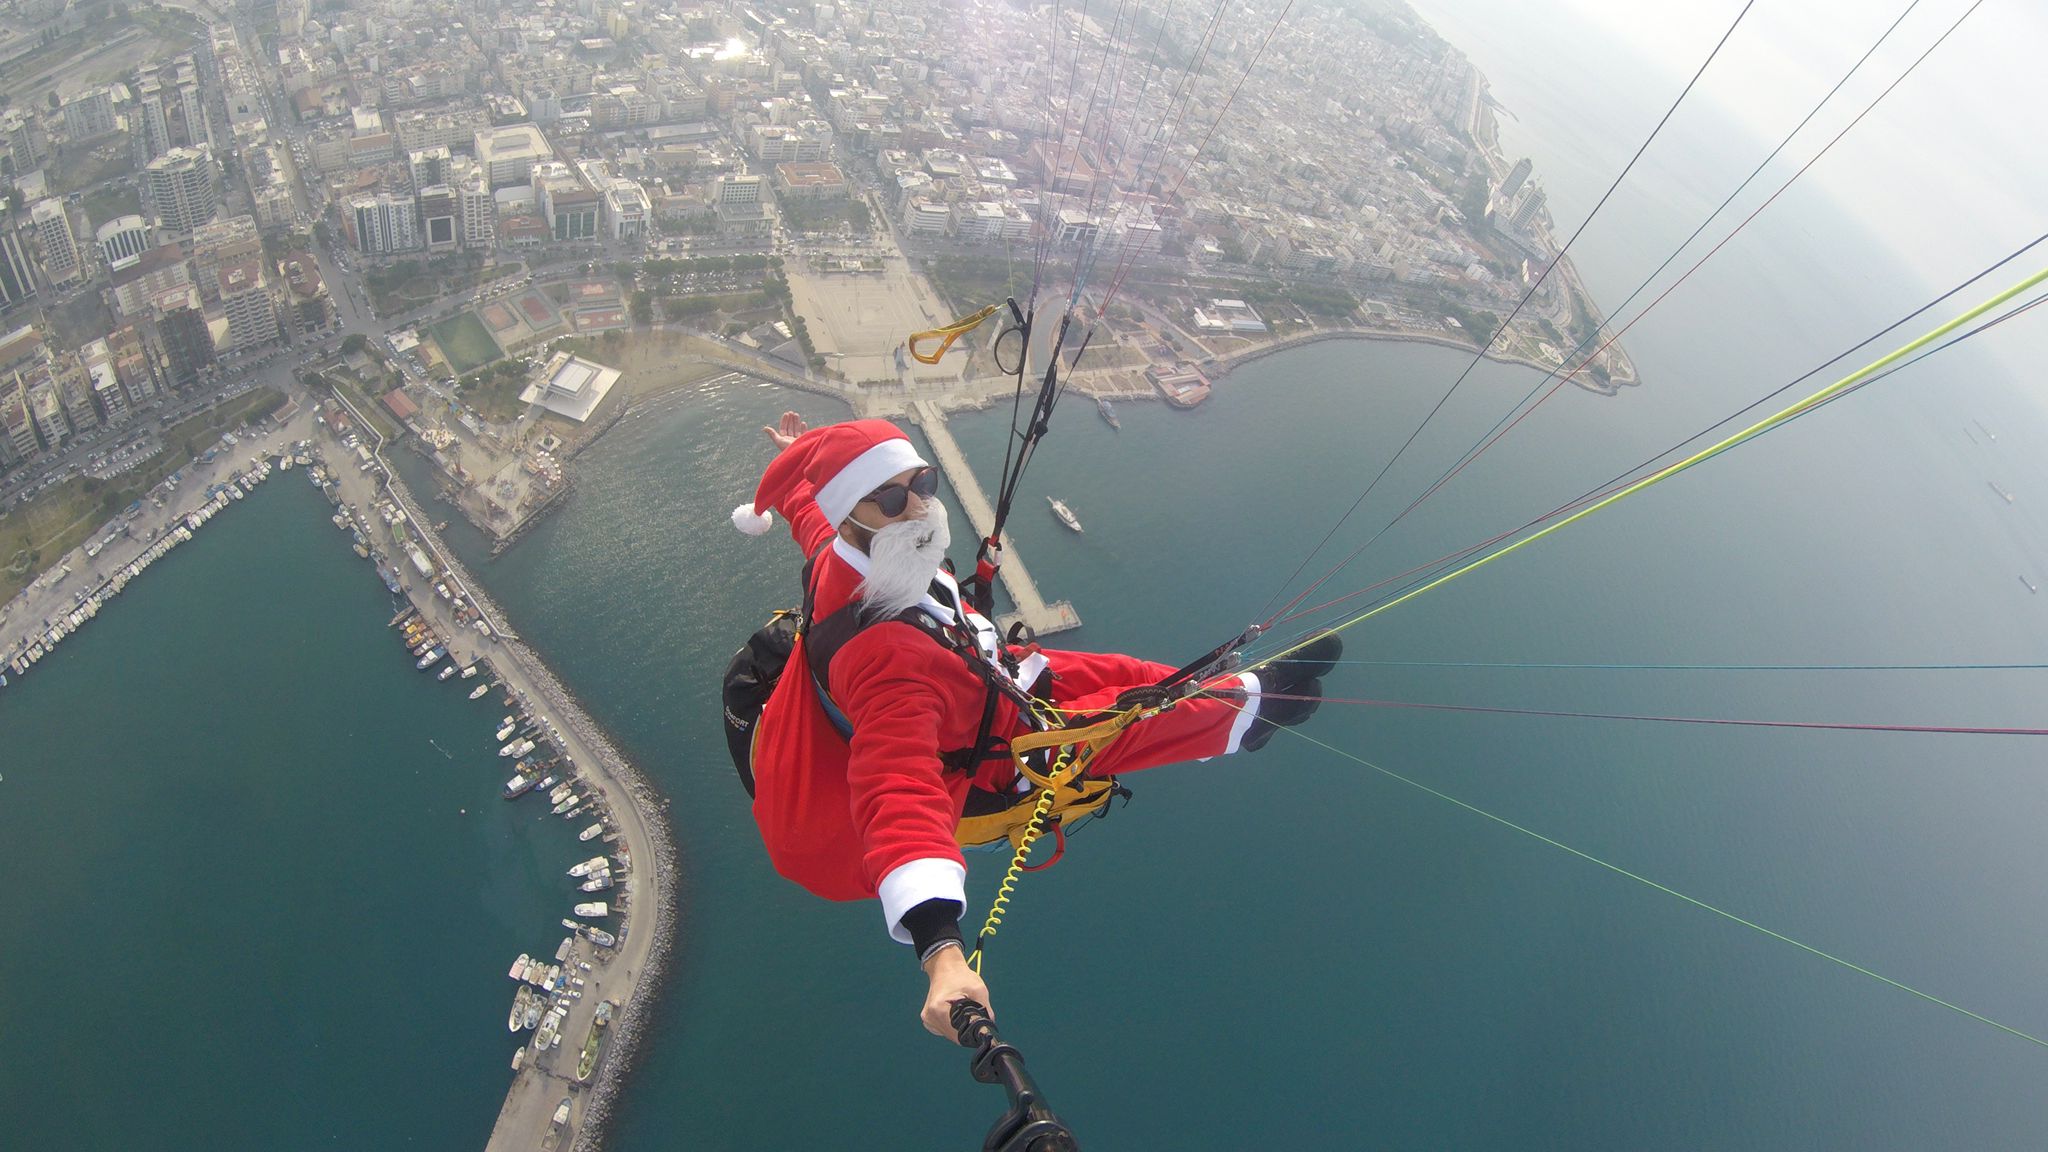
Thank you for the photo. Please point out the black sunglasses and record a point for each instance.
(892, 499)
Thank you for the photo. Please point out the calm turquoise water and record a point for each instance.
(249, 904)
(1290, 950)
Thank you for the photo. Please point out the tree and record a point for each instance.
(643, 307)
(355, 344)
(54, 102)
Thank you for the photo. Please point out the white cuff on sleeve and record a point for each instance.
(915, 881)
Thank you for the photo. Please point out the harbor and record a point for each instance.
(563, 742)
(74, 591)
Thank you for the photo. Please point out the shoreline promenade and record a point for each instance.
(1032, 609)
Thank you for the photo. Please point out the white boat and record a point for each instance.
(518, 747)
(594, 911)
(562, 806)
(560, 794)
(591, 865)
(601, 938)
(506, 730)
(548, 782)
(518, 971)
(445, 673)
(480, 690)
(1066, 514)
(469, 672)
(522, 1004)
(573, 813)
(597, 883)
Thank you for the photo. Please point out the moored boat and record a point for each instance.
(591, 832)
(596, 910)
(518, 786)
(447, 673)
(589, 866)
(469, 672)
(518, 747)
(480, 690)
(518, 971)
(504, 732)
(597, 883)
(432, 658)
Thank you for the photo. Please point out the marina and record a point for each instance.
(552, 740)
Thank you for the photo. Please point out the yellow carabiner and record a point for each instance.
(950, 333)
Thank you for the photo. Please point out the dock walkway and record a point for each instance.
(1032, 609)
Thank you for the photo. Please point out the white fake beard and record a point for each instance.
(903, 556)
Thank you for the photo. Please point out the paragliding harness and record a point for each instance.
(990, 818)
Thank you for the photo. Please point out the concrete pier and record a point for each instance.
(1032, 609)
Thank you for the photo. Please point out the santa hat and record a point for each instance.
(841, 462)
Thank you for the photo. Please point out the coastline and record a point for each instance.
(1219, 366)
(641, 960)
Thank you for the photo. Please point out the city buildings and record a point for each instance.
(17, 276)
(61, 262)
(570, 386)
(181, 189)
(89, 113)
(383, 223)
(509, 154)
(122, 241)
(246, 302)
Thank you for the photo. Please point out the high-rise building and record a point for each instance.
(179, 188)
(26, 144)
(218, 244)
(187, 344)
(122, 241)
(381, 224)
(245, 298)
(477, 210)
(440, 223)
(429, 167)
(89, 113)
(567, 205)
(149, 126)
(192, 114)
(1513, 183)
(97, 360)
(1526, 211)
(60, 247)
(17, 277)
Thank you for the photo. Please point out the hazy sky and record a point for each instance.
(1949, 171)
(1953, 158)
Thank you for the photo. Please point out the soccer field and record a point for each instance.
(464, 342)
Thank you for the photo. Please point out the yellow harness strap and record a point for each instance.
(947, 335)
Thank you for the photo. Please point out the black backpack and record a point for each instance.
(750, 679)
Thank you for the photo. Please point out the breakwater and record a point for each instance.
(635, 969)
(644, 806)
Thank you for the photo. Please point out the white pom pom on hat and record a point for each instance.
(751, 522)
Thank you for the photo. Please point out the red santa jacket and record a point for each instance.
(874, 817)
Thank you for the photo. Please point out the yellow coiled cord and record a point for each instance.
(1032, 832)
